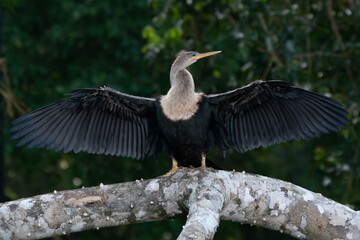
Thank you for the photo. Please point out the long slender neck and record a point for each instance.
(182, 82)
(181, 101)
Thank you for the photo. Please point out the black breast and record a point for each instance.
(187, 140)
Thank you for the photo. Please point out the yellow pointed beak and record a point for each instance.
(208, 54)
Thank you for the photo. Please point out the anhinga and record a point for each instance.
(183, 122)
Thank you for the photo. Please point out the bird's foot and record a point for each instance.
(173, 169)
(203, 162)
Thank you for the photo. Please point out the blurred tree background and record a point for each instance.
(52, 47)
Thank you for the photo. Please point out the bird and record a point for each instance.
(184, 123)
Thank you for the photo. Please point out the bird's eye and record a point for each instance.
(193, 54)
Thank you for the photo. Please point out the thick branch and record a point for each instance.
(205, 206)
(208, 194)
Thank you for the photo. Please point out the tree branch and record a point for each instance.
(268, 42)
(334, 27)
(208, 196)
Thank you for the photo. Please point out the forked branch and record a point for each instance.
(206, 195)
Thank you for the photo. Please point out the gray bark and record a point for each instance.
(206, 195)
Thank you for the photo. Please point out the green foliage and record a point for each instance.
(52, 47)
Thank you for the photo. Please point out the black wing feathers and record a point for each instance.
(101, 121)
(265, 113)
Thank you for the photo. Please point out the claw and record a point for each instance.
(173, 169)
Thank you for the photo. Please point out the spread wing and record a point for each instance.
(102, 121)
(268, 112)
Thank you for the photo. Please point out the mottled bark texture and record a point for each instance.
(206, 195)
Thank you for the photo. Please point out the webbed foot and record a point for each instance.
(173, 169)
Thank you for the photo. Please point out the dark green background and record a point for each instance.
(52, 47)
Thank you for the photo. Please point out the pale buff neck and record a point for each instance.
(182, 83)
(181, 101)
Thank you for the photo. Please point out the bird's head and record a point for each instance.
(185, 59)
